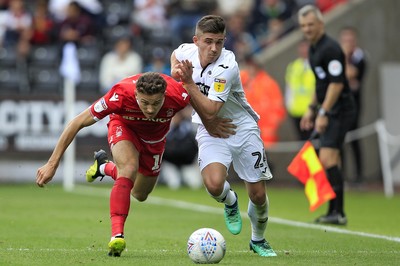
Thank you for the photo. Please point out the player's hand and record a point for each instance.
(321, 123)
(45, 174)
(185, 71)
(220, 127)
(307, 121)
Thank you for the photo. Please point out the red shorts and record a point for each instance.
(150, 154)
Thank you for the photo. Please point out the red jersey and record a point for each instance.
(120, 103)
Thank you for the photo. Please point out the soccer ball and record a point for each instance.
(206, 245)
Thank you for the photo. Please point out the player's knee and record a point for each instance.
(258, 197)
(128, 170)
(140, 196)
(213, 187)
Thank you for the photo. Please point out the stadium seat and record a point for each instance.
(113, 33)
(45, 56)
(8, 56)
(9, 80)
(117, 11)
(89, 81)
(44, 79)
(89, 55)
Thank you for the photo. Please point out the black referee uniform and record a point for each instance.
(327, 61)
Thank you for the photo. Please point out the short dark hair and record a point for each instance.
(211, 24)
(151, 83)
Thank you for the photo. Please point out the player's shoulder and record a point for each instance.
(186, 46)
(186, 50)
(328, 43)
(226, 62)
(128, 82)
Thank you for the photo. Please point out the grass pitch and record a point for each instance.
(52, 227)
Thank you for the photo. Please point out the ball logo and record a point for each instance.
(208, 245)
(335, 68)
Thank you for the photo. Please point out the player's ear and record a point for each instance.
(195, 39)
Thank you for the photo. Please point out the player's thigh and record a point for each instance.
(144, 185)
(126, 158)
(214, 176)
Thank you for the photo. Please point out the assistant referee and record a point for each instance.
(332, 111)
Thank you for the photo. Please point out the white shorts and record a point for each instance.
(245, 151)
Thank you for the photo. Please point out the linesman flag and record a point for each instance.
(307, 168)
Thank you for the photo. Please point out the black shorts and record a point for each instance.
(340, 122)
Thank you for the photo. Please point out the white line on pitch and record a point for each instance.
(208, 209)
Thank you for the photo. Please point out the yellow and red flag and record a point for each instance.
(307, 168)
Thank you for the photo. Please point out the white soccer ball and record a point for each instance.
(206, 245)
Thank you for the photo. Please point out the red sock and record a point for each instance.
(120, 200)
(110, 169)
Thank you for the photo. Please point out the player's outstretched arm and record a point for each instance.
(46, 172)
(174, 66)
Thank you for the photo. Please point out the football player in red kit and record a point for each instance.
(140, 108)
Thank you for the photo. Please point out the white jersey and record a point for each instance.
(220, 81)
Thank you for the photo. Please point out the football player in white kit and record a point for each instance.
(210, 74)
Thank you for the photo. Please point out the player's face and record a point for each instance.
(311, 27)
(150, 104)
(210, 46)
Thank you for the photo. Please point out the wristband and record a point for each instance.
(322, 112)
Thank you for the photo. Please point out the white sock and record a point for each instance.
(258, 215)
(101, 168)
(227, 196)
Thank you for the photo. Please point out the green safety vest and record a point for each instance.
(300, 87)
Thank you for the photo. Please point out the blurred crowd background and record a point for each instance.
(116, 38)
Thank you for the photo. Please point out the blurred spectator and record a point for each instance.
(17, 24)
(327, 5)
(58, 8)
(356, 64)
(227, 8)
(43, 26)
(179, 164)
(265, 10)
(300, 88)
(77, 26)
(121, 62)
(150, 16)
(159, 62)
(276, 28)
(264, 95)
(3, 11)
(183, 16)
(238, 39)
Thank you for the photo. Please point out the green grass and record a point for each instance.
(52, 227)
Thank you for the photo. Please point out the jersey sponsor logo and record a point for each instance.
(335, 68)
(203, 88)
(100, 106)
(114, 98)
(157, 120)
(224, 67)
(320, 72)
(219, 84)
